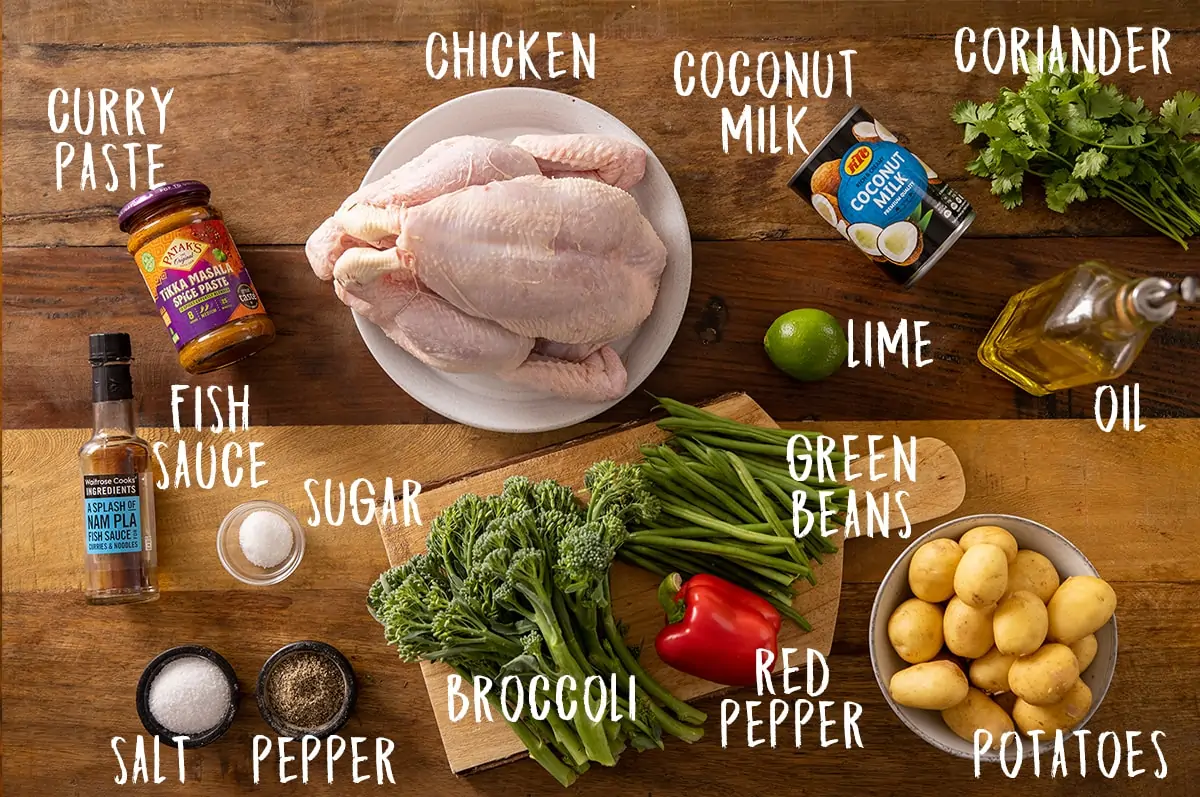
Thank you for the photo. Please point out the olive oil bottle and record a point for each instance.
(1086, 325)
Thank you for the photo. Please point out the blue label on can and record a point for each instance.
(881, 183)
(112, 512)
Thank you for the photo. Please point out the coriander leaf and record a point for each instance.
(1066, 111)
(1089, 163)
(1187, 164)
(996, 129)
(978, 167)
(1117, 169)
(1012, 199)
(1061, 191)
(1007, 183)
(965, 112)
(1126, 135)
(1106, 103)
(1181, 114)
(1136, 111)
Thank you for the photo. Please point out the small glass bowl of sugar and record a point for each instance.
(260, 543)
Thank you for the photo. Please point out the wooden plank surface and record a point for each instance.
(70, 673)
(1067, 474)
(344, 20)
(319, 371)
(1127, 500)
(331, 107)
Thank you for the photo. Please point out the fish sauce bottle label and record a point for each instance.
(112, 509)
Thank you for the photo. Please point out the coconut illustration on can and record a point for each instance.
(863, 180)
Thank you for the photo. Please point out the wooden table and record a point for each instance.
(281, 107)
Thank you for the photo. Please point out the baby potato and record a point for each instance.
(967, 629)
(992, 535)
(1045, 677)
(975, 712)
(989, 672)
(982, 575)
(1063, 715)
(1020, 623)
(1085, 651)
(1032, 572)
(915, 630)
(1079, 607)
(934, 685)
(931, 570)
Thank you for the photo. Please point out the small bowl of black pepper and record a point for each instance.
(306, 688)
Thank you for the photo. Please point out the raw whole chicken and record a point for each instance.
(524, 260)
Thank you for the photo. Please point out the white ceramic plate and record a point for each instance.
(484, 401)
(894, 590)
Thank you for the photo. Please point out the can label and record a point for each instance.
(881, 197)
(112, 512)
(197, 279)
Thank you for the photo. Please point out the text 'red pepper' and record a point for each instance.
(715, 629)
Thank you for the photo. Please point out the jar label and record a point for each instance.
(112, 511)
(197, 279)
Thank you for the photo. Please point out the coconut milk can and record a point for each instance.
(864, 181)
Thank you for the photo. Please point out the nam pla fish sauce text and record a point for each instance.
(882, 198)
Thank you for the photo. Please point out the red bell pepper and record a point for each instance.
(714, 629)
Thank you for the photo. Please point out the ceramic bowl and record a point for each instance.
(1067, 559)
(152, 670)
(280, 724)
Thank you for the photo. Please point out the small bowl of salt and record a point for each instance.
(188, 691)
(260, 543)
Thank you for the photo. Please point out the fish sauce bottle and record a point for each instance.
(120, 554)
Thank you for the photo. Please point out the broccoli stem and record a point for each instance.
(591, 733)
(643, 679)
(539, 750)
(679, 729)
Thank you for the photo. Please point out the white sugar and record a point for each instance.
(266, 538)
(189, 696)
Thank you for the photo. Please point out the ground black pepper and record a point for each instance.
(306, 690)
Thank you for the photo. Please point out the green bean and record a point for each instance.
(724, 549)
(681, 491)
(730, 529)
(681, 468)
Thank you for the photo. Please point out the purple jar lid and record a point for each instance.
(155, 195)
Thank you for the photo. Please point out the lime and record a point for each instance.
(806, 344)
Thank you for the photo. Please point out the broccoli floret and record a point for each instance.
(550, 496)
(620, 491)
(585, 554)
(453, 533)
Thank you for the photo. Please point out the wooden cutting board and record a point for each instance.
(939, 489)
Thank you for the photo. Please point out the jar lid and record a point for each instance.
(156, 195)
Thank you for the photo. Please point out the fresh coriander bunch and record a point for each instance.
(1087, 139)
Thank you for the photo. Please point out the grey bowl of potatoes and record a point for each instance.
(993, 622)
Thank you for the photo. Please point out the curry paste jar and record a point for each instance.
(195, 276)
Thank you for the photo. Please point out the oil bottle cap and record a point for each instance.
(107, 347)
(1156, 299)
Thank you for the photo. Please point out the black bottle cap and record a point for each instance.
(107, 347)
